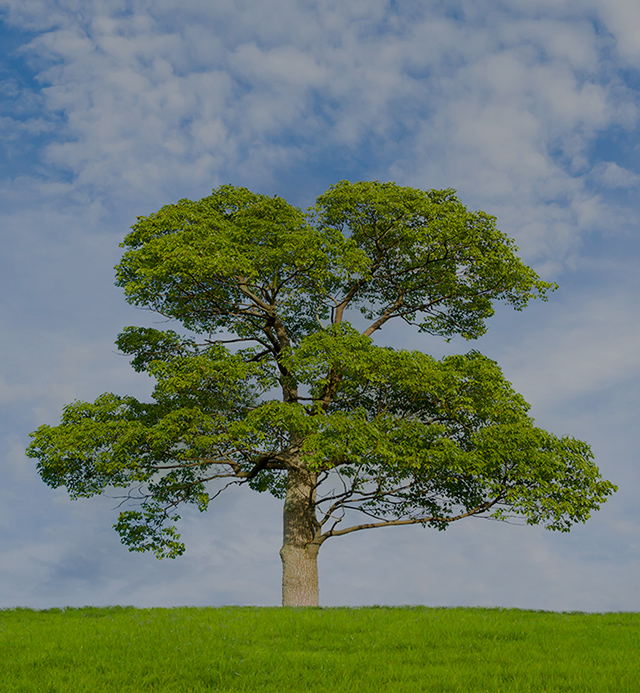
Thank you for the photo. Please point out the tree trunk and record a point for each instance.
(299, 555)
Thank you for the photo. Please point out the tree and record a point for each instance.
(268, 385)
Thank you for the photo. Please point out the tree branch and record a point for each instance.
(387, 315)
(410, 521)
(243, 285)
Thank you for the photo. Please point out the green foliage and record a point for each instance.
(145, 531)
(203, 411)
(199, 262)
(430, 255)
(408, 438)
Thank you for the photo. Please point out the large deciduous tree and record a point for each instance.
(274, 382)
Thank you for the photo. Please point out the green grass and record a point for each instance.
(317, 650)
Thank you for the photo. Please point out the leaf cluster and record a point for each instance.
(418, 437)
(430, 260)
(235, 260)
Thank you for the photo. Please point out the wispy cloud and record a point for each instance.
(506, 110)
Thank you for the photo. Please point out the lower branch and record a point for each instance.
(409, 521)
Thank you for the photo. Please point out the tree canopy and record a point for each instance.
(273, 379)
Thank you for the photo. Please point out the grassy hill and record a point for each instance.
(317, 650)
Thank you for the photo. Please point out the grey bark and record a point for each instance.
(299, 552)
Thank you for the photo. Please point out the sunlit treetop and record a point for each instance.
(235, 259)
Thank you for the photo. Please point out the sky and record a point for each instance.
(531, 111)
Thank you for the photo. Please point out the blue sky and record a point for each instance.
(112, 109)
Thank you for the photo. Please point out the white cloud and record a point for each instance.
(573, 43)
(622, 18)
(611, 175)
(504, 95)
(586, 346)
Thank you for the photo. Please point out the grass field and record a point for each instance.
(317, 650)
